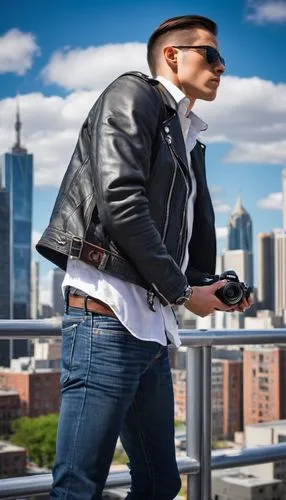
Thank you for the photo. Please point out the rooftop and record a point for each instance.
(272, 423)
(247, 480)
(8, 392)
(8, 447)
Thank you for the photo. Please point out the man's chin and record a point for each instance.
(208, 96)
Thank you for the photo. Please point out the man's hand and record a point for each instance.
(204, 301)
(245, 304)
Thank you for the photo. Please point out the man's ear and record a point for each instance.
(171, 55)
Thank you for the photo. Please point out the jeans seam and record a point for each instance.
(153, 360)
(81, 412)
(144, 446)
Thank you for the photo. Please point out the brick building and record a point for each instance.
(264, 375)
(232, 397)
(179, 384)
(12, 460)
(226, 397)
(9, 410)
(39, 391)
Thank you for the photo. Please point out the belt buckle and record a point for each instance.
(98, 257)
(76, 248)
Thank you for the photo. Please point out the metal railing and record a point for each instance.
(199, 460)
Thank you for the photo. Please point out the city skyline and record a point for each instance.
(246, 148)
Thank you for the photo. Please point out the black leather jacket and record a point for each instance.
(126, 189)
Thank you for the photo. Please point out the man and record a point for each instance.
(133, 225)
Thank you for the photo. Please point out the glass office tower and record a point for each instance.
(16, 177)
(5, 302)
(240, 229)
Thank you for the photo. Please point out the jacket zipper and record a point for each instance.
(168, 207)
(182, 236)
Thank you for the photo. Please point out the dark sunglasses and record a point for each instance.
(212, 54)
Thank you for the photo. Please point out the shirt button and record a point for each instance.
(167, 130)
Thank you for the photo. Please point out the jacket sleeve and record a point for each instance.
(124, 124)
(196, 277)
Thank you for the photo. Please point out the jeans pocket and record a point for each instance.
(68, 342)
(105, 324)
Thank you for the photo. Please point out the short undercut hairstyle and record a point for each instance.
(179, 23)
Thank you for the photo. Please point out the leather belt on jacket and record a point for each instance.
(106, 261)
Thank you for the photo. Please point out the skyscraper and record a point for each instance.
(241, 261)
(240, 228)
(58, 300)
(5, 305)
(284, 197)
(35, 300)
(280, 270)
(16, 177)
(266, 270)
(5, 309)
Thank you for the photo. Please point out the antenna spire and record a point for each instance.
(18, 126)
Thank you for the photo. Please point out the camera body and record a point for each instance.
(234, 290)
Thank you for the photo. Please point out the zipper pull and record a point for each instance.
(150, 300)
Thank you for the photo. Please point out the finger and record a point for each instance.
(218, 304)
(217, 285)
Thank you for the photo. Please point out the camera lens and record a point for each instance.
(232, 294)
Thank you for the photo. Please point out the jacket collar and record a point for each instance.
(176, 93)
(172, 128)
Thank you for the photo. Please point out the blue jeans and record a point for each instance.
(113, 385)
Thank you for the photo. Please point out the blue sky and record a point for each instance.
(60, 55)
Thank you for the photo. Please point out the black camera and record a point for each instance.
(234, 290)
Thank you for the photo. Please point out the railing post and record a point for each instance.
(194, 400)
(199, 414)
(206, 425)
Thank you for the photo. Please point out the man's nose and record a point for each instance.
(219, 68)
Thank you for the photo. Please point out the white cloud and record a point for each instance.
(273, 153)
(94, 67)
(215, 189)
(271, 11)
(218, 203)
(250, 115)
(17, 50)
(221, 232)
(273, 201)
(221, 207)
(50, 130)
